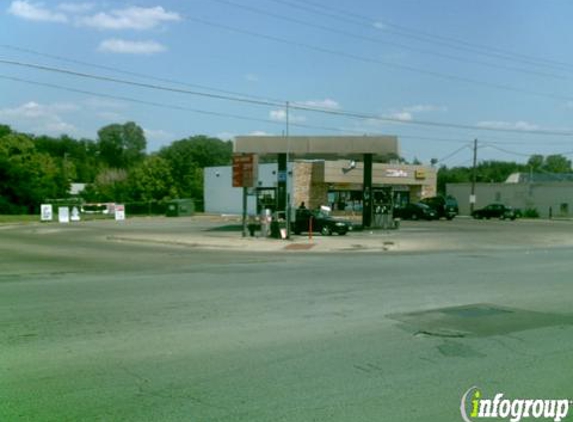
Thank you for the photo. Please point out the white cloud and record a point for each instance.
(134, 17)
(158, 135)
(76, 8)
(379, 25)
(326, 103)
(280, 116)
(260, 133)
(425, 108)
(115, 45)
(111, 116)
(59, 127)
(404, 116)
(519, 125)
(35, 12)
(41, 118)
(250, 77)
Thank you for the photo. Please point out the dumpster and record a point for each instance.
(180, 207)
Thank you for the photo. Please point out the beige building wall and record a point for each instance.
(421, 180)
(553, 199)
(308, 184)
(313, 179)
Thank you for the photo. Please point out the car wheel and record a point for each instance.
(414, 216)
(326, 231)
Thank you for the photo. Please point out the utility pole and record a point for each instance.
(474, 170)
(287, 210)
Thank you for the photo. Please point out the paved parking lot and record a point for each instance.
(161, 319)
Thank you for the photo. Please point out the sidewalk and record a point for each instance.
(366, 241)
(466, 235)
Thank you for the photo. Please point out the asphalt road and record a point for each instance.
(94, 329)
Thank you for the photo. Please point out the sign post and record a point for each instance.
(245, 175)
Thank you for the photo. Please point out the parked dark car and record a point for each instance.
(445, 206)
(415, 211)
(496, 211)
(322, 223)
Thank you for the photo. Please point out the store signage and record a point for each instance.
(245, 170)
(396, 173)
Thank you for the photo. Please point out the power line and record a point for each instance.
(140, 84)
(454, 153)
(379, 41)
(428, 123)
(372, 60)
(131, 73)
(135, 100)
(360, 20)
(175, 107)
(278, 102)
(297, 106)
(521, 154)
(252, 119)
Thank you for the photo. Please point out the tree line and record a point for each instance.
(498, 171)
(115, 166)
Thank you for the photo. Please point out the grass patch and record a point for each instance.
(8, 219)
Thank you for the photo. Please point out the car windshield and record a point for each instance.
(322, 214)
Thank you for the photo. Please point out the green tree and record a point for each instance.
(496, 171)
(5, 130)
(535, 162)
(111, 185)
(121, 146)
(27, 177)
(188, 157)
(557, 164)
(152, 180)
(79, 158)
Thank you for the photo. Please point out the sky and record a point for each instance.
(438, 74)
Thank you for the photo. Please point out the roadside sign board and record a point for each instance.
(245, 170)
(75, 214)
(119, 212)
(63, 214)
(46, 212)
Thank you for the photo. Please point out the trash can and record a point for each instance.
(266, 218)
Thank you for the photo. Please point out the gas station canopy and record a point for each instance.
(319, 146)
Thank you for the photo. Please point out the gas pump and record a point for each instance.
(383, 201)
